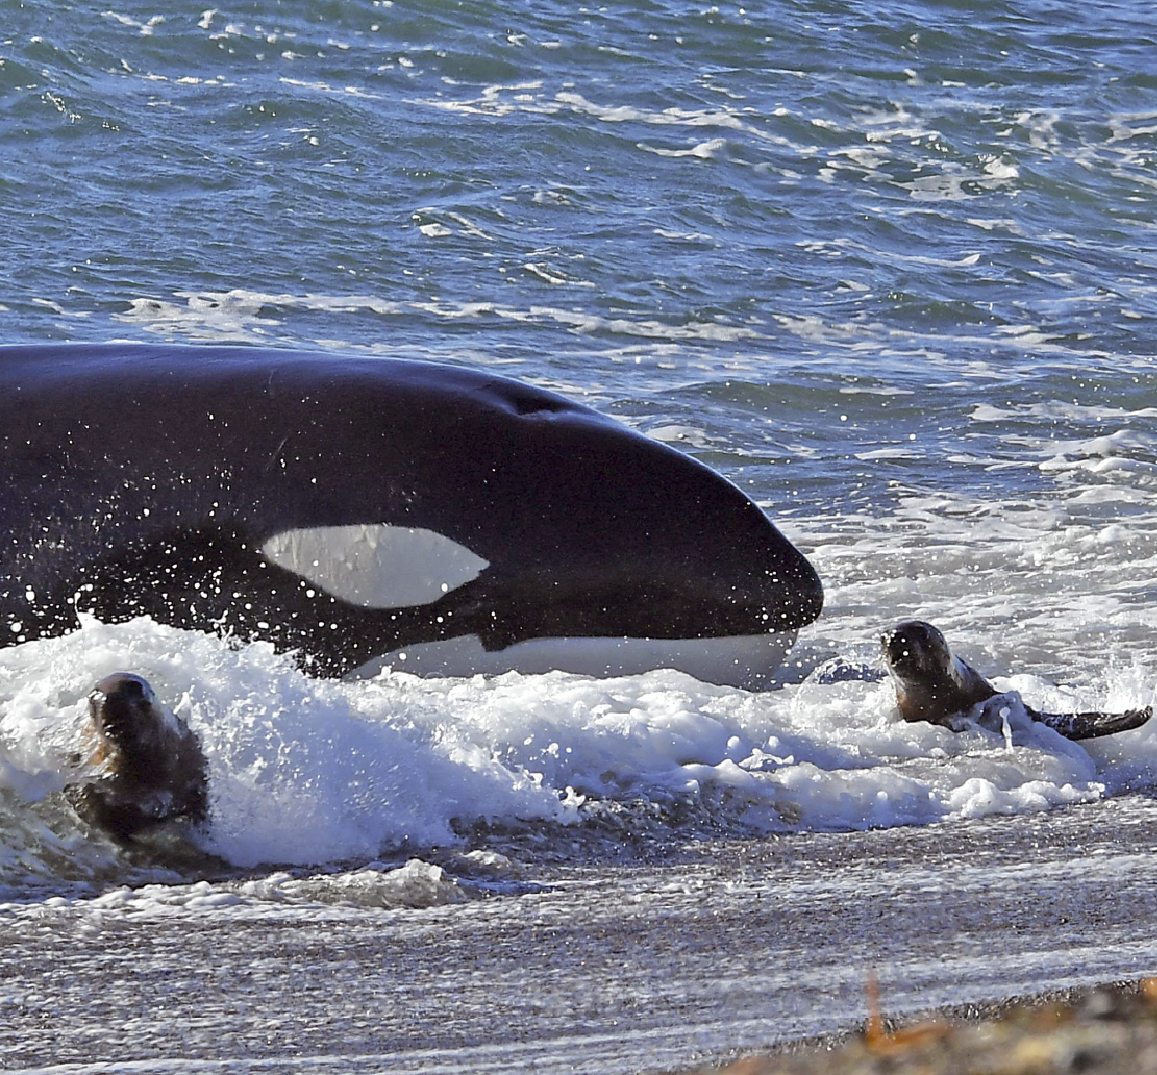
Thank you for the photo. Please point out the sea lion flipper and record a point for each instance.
(1078, 726)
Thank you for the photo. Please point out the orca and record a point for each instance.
(366, 511)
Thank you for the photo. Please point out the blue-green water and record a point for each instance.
(634, 203)
(888, 266)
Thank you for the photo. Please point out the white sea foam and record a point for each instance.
(702, 150)
(415, 883)
(144, 28)
(307, 772)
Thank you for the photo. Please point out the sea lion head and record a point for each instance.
(153, 767)
(931, 682)
(125, 713)
(916, 651)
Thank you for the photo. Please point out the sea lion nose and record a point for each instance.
(893, 641)
(901, 647)
(124, 688)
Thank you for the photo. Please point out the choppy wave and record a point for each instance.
(779, 197)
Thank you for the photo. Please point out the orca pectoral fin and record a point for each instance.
(1078, 726)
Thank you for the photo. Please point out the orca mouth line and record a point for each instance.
(746, 661)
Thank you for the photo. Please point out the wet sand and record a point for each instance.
(629, 951)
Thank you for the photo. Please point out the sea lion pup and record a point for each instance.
(155, 770)
(933, 684)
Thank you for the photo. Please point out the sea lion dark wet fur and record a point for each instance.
(155, 770)
(934, 685)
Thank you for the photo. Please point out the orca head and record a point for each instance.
(345, 507)
(561, 525)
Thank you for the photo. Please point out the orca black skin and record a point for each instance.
(202, 486)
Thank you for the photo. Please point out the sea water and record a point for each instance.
(888, 267)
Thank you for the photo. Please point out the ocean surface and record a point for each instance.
(888, 266)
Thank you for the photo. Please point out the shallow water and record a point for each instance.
(885, 266)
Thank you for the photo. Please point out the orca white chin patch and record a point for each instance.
(376, 565)
(747, 661)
